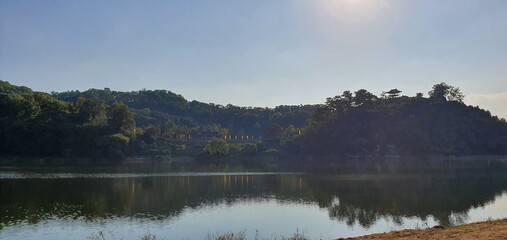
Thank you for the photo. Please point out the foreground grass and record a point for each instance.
(226, 236)
(104, 236)
(487, 230)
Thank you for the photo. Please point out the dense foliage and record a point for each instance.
(361, 123)
(37, 124)
(111, 124)
(175, 115)
(105, 124)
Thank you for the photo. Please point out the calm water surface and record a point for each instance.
(66, 204)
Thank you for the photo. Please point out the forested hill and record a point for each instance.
(162, 107)
(112, 124)
(361, 123)
(105, 123)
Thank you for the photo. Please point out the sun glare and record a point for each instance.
(352, 11)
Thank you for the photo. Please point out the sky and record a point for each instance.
(258, 53)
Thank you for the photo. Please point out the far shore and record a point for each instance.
(6, 161)
(490, 229)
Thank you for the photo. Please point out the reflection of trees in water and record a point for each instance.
(362, 201)
(446, 198)
(33, 200)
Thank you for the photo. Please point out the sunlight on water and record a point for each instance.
(494, 210)
(268, 217)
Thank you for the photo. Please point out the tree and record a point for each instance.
(362, 96)
(151, 134)
(274, 131)
(6, 87)
(335, 105)
(454, 94)
(223, 131)
(249, 149)
(121, 117)
(290, 132)
(217, 147)
(91, 111)
(257, 128)
(442, 92)
(348, 95)
(169, 128)
(112, 147)
(16, 108)
(51, 109)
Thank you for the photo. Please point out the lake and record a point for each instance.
(200, 202)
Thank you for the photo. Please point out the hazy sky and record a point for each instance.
(258, 53)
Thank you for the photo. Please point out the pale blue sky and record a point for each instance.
(258, 53)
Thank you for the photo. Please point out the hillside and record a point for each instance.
(364, 124)
(112, 124)
(158, 107)
(106, 124)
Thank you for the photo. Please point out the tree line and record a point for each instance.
(105, 124)
(363, 124)
(173, 113)
(112, 124)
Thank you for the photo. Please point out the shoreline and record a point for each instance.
(489, 229)
(13, 161)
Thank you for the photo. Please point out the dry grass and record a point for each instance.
(219, 236)
(109, 236)
(228, 236)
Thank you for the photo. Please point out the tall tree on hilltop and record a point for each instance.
(443, 91)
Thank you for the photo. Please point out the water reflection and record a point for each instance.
(445, 198)
(354, 199)
(33, 200)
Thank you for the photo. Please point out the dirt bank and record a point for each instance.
(496, 230)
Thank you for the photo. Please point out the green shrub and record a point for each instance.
(217, 147)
